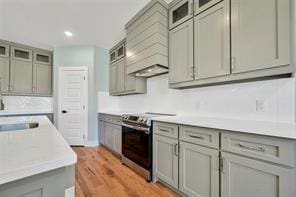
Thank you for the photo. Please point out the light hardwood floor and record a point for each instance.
(100, 173)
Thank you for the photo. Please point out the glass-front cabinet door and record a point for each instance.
(201, 5)
(4, 50)
(120, 51)
(180, 12)
(42, 58)
(112, 56)
(22, 54)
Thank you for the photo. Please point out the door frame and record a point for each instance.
(81, 68)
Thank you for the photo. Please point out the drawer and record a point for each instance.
(116, 120)
(199, 135)
(166, 129)
(264, 148)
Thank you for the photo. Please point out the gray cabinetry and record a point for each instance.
(212, 42)
(25, 70)
(110, 134)
(204, 162)
(109, 137)
(258, 48)
(101, 132)
(117, 133)
(21, 77)
(181, 53)
(165, 159)
(245, 177)
(122, 83)
(199, 170)
(260, 42)
(179, 12)
(113, 78)
(4, 66)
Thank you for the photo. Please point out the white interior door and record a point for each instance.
(73, 104)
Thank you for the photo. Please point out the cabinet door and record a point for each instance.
(21, 77)
(22, 54)
(212, 42)
(199, 170)
(42, 58)
(120, 75)
(260, 34)
(117, 138)
(181, 53)
(42, 79)
(201, 5)
(112, 80)
(120, 51)
(4, 50)
(180, 12)
(245, 177)
(165, 159)
(4, 74)
(101, 132)
(109, 137)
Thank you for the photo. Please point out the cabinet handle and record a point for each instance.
(33, 89)
(260, 149)
(197, 137)
(7, 88)
(232, 63)
(192, 71)
(164, 130)
(176, 149)
(222, 164)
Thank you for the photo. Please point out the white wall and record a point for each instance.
(228, 101)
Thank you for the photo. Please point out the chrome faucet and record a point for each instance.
(2, 106)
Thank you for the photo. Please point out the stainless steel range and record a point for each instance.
(137, 142)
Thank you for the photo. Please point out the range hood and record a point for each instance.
(152, 71)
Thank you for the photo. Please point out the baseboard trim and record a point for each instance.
(94, 143)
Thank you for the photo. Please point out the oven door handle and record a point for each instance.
(146, 130)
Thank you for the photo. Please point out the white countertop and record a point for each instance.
(284, 130)
(29, 152)
(118, 113)
(24, 112)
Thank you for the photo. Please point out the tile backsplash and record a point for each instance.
(269, 100)
(23, 103)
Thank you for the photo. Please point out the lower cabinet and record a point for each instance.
(199, 170)
(109, 139)
(246, 177)
(241, 165)
(102, 132)
(117, 134)
(165, 159)
(110, 134)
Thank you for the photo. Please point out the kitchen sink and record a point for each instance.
(18, 126)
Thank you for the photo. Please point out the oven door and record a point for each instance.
(137, 145)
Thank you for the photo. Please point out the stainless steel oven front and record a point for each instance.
(137, 147)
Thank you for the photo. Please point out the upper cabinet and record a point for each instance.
(25, 70)
(212, 42)
(254, 43)
(120, 82)
(181, 53)
(147, 40)
(260, 34)
(180, 12)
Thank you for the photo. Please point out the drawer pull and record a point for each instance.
(164, 130)
(197, 137)
(261, 149)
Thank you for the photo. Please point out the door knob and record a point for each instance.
(64, 112)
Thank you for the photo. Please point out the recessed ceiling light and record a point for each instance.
(68, 33)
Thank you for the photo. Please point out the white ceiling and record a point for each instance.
(42, 23)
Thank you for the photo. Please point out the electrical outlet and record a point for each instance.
(260, 106)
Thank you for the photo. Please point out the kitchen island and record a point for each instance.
(35, 161)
